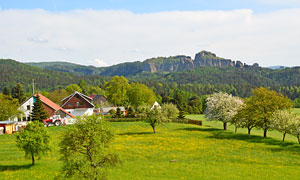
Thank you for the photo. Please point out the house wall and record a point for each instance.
(49, 110)
(29, 103)
(72, 103)
(99, 100)
(81, 112)
(27, 113)
(9, 128)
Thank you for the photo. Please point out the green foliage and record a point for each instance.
(85, 149)
(38, 111)
(118, 113)
(6, 91)
(9, 107)
(130, 113)
(264, 103)
(73, 87)
(112, 112)
(116, 91)
(18, 92)
(34, 140)
(156, 116)
(170, 110)
(139, 95)
(57, 95)
(181, 115)
(283, 121)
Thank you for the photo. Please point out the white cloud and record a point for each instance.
(120, 36)
(100, 63)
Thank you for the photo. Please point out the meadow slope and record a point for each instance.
(177, 151)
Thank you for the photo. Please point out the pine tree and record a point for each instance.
(18, 92)
(38, 111)
(6, 91)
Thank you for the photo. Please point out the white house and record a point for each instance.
(78, 104)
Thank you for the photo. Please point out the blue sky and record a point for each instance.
(143, 6)
(108, 32)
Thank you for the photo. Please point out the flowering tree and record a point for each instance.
(222, 107)
(283, 121)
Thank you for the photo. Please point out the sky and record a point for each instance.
(107, 32)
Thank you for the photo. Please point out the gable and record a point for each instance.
(77, 101)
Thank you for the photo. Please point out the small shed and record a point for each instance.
(8, 126)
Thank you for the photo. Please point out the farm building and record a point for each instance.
(50, 107)
(78, 104)
(7, 127)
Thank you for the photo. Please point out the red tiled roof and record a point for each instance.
(92, 96)
(53, 105)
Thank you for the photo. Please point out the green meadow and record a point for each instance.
(177, 151)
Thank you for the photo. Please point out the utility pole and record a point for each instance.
(33, 86)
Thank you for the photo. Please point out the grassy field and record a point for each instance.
(205, 152)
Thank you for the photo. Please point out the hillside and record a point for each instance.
(206, 74)
(158, 64)
(177, 151)
(12, 72)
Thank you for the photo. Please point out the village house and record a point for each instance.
(78, 104)
(98, 99)
(50, 107)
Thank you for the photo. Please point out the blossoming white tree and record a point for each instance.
(222, 107)
(284, 121)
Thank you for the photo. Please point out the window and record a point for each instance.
(28, 107)
(77, 104)
(70, 104)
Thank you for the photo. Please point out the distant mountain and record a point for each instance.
(159, 64)
(276, 67)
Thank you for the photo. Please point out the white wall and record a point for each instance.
(81, 111)
(24, 107)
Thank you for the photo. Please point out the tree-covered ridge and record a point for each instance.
(157, 64)
(12, 72)
(67, 67)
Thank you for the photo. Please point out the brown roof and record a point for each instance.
(51, 104)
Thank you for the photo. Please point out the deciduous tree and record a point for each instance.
(222, 107)
(85, 149)
(283, 121)
(156, 116)
(34, 140)
(116, 90)
(9, 107)
(139, 94)
(264, 103)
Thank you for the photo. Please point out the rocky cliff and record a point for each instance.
(170, 64)
(180, 63)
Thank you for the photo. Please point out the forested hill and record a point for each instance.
(12, 72)
(159, 64)
(201, 76)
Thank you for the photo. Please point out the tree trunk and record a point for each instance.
(298, 136)
(153, 129)
(32, 158)
(283, 136)
(265, 132)
(249, 130)
(235, 129)
(225, 125)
